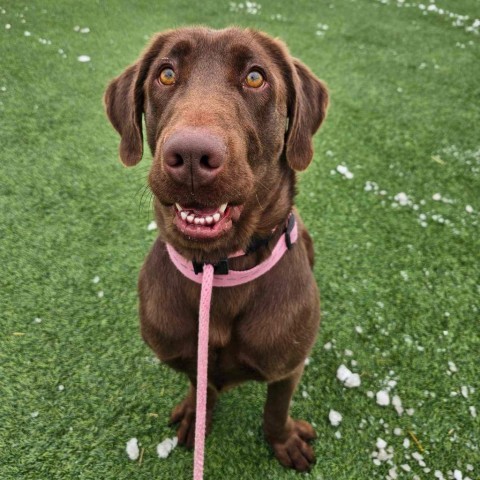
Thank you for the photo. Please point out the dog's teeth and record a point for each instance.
(179, 208)
(197, 221)
(216, 217)
(209, 220)
(190, 218)
(202, 221)
(223, 208)
(184, 215)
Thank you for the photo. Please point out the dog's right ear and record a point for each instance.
(124, 100)
(124, 106)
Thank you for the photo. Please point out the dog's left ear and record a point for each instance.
(307, 108)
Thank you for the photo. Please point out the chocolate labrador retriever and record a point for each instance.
(229, 119)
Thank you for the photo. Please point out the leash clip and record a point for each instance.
(220, 268)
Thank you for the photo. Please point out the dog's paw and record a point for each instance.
(294, 451)
(184, 414)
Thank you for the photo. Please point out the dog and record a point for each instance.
(229, 119)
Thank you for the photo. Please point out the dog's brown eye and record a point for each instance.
(254, 79)
(167, 76)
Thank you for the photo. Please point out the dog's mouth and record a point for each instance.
(206, 223)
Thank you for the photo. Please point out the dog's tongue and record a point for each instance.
(202, 211)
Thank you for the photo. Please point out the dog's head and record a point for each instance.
(229, 117)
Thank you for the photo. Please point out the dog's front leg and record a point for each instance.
(185, 413)
(288, 437)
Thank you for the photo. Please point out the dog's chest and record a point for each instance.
(228, 363)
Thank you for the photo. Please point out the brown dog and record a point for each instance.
(229, 117)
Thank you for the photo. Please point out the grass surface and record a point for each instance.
(404, 115)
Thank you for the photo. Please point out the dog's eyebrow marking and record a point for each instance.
(241, 55)
(181, 49)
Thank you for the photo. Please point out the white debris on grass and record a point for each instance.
(438, 474)
(458, 20)
(452, 367)
(381, 444)
(418, 457)
(8, 26)
(359, 329)
(404, 275)
(328, 346)
(164, 448)
(353, 381)
(37, 320)
(132, 449)
(343, 373)
(457, 475)
(391, 384)
(437, 197)
(406, 467)
(79, 29)
(402, 199)
(279, 17)
(83, 58)
(338, 434)
(383, 398)
(321, 29)
(100, 294)
(35, 414)
(307, 361)
(469, 209)
(392, 473)
(383, 454)
(406, 443)
(343, 170)
(335, 418)
(349, 379)
(96, 279)
(397, 404)
(369, 186)
(61, 388)
(152, 226)
(473, 411)
(397, 431)
(464, 391)
(251, 8)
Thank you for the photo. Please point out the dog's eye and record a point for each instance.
(167, 76)
(254, 79)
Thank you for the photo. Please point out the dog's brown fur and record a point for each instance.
(262, 330)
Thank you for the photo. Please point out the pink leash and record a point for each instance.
(208, 281)
(202, 371)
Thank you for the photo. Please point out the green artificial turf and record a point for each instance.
(404, 114)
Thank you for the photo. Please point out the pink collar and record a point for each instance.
(238, 277)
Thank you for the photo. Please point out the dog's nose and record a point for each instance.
(194, 156)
